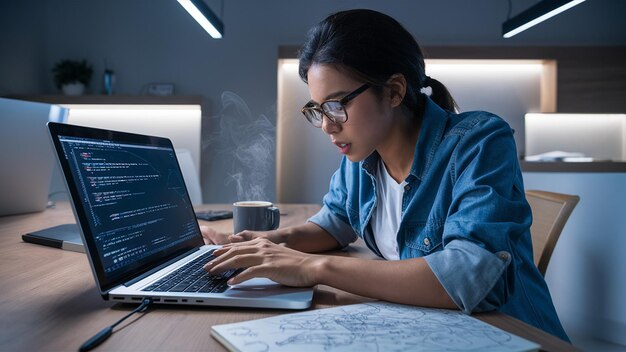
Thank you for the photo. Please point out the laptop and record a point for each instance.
(139, 228)
(26, 159)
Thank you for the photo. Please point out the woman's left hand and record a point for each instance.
(263, 258)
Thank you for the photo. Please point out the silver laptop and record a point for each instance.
(139, 228)
(26, 159)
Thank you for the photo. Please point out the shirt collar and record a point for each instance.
(432, 130)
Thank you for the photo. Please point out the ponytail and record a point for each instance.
(441, 95)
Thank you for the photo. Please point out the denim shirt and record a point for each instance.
(463, 210)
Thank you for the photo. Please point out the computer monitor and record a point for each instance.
(26, 159)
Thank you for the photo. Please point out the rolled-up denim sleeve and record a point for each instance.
(474, 292)
(334, 225)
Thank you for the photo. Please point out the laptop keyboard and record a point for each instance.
(192, 278)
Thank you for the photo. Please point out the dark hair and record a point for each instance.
(371, 46)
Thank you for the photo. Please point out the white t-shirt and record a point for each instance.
(388, 213)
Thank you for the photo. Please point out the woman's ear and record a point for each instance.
(397, 89)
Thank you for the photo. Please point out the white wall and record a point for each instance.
(508, 89)
(600, 136)
(179, 123)
(306, 159)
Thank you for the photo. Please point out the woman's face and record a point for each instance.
(369, 118)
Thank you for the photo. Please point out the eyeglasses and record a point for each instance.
(334, 109)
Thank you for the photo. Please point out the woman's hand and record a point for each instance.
(263, 258)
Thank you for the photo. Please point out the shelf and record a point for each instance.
(113, 99)
(600, 166)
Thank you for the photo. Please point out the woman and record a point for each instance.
(437, 194)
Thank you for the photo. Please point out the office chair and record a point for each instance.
(550, 213)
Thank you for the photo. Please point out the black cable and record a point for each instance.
(105, 333)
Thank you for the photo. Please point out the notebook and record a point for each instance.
(140, 232)
(26, 160)
(374, 326)
(66, 236)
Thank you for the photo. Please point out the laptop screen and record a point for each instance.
(131, 196)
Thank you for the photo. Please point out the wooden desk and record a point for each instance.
(48, 299)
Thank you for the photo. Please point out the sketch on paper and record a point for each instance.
(377, 326)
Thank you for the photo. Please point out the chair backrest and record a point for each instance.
(550, 213)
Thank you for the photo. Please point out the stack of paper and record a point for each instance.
(558, 155)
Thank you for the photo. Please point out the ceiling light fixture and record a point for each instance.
(535, 15)
(204, 16)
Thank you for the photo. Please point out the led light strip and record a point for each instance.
(510, 28)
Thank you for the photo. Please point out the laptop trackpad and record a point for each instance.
(256, 284)
(262, 287)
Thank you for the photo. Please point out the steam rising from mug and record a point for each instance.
(250, 144)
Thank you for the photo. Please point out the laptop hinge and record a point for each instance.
(155, 269)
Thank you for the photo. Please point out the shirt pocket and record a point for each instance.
(423, 238)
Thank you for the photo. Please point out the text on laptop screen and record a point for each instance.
(130, 194)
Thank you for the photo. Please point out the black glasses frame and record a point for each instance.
(311, 109)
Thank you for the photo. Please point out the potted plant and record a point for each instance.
(72, 76)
